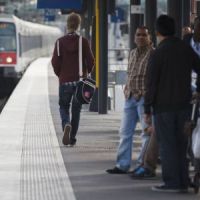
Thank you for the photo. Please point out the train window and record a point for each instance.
(7, 28)
(7, 37)
(26, 42)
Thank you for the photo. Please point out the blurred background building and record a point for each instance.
(27, 10)
(119, 31)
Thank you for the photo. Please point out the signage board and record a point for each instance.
(60, 4)
(49, 15)
(136, 9)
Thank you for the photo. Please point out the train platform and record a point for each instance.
(35, 165)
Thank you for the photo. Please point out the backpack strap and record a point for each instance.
(58, 47)
(80, 58)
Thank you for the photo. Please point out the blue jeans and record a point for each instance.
(133, 112)
(66, 95)
(173, 143)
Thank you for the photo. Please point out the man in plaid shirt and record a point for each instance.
(134, 100)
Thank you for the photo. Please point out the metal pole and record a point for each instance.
(24, 13)
(95, 47)
(89, 18)
(103, 47)
(136, 19)
(175, 11)
(150, 17)
(186, 7)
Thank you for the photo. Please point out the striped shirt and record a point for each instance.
(136, 71)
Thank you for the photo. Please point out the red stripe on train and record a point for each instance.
(8, 58)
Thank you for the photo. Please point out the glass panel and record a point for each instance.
(162, 7)
(7, 28)
(7, 37)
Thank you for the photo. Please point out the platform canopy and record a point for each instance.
(60, 4)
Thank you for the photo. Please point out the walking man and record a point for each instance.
(65, 63)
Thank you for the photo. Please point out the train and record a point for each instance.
(21, 42)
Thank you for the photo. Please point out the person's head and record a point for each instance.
(73, 22)
(142, 37)
(196, 36)
(186, 30)
(165, 27)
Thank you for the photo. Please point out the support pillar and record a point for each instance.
(90, 8)
(198, 8)
(103, 59)
(136, 19)
(175, 11)
(150, 17)
(186, 7)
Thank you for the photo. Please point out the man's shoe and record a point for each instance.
(183, 190)
(72, 143)
(115, 170)
(143, 173)
(165, 188)
(66, 136)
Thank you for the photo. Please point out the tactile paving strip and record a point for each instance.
(43, 174)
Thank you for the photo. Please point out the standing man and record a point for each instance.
(65, 63)
(168, 93)
(134, 100)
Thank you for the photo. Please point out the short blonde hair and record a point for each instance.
(73, 22)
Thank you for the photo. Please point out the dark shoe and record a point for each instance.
(72, 142)
(165, 188)
(66, 136)
(143, 173)
(183, 190)
(115, 170)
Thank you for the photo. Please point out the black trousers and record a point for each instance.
(173, 144)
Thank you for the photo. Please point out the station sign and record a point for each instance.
(49, 15)
(119, 15)
(60, 4)
(136, 9)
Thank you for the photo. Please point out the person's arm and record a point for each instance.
(88, 56)
(152, 80)
(56, 58)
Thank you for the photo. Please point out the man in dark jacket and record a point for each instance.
(65, 62)
(168, 95)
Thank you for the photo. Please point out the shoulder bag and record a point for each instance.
(86, 86)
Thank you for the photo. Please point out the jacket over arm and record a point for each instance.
(152, 80)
